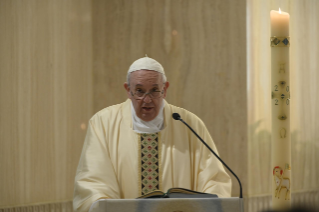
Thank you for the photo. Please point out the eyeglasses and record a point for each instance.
(154, 94)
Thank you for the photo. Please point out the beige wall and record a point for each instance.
(45, 95)
(62, 61)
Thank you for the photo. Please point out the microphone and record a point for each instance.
(176, 116)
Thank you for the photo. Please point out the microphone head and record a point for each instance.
(176, 116)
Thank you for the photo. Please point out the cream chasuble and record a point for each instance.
(117, 162)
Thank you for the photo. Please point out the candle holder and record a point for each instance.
(279, 41)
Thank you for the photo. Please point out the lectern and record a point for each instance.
(169, 205)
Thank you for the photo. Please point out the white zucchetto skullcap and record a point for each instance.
(146, 63)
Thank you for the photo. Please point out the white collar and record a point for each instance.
(153, 126)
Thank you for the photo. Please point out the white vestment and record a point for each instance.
(110, 163)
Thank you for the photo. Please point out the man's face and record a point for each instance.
(146, 81)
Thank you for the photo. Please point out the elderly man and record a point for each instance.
(136, 147)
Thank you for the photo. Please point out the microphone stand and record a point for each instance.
(176, 116)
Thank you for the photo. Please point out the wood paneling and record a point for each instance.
(202, 46)
(61, 61)
(45, 94)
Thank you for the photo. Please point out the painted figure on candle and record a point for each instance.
(283, 133)
(281, 181)
(282, 67)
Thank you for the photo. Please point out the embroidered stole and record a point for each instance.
(149, 163)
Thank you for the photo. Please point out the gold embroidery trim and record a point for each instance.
(139, 164)
(150, 176)
(160, 176)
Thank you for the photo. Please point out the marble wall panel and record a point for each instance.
(45, 95)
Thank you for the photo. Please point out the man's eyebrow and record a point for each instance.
(142, 85)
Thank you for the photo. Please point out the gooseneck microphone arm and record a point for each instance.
(176, 116)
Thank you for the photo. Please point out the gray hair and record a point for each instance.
(128, 77)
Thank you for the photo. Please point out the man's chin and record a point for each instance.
(147, 117)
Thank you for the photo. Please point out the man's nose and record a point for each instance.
(147, 99)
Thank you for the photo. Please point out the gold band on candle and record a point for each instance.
(280, 96)
(279, 41)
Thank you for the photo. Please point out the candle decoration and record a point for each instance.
(280, 109)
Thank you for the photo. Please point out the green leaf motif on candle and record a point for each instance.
(287, 166)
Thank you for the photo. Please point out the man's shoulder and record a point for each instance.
(185, 114)
(109, 112)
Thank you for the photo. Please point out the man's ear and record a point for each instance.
(127, 88)
(165, 88)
